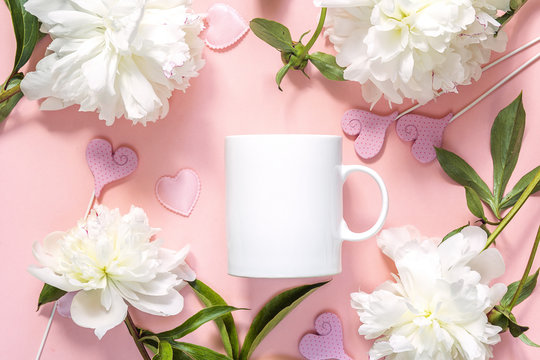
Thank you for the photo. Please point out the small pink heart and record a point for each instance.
(107, 166)
(179, 194)
(426, 132)
(225, 26)
(370, 128)
(328, 344)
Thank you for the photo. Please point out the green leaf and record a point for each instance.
(197, 352)
(327, 65)
(281, 74)
(272, 313)
(48, 294)
(194, 322)
(506, 136)
(513, 196)
(515, 329)
(527, 341)
(528, 287)
(474, 203)
(454, 232)
(464, 174)
(26, 29)
(8, 105)
(165, 351)
(225, 324)
(273, 33)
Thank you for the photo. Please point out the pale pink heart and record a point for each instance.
(328, 344)
(370, 128)
(225, 26)
(426, 132)
(107, 166)
(180, 193)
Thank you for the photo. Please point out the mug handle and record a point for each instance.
(345, 232)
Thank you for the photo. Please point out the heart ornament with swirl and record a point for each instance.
(328, 344)
(108, 166)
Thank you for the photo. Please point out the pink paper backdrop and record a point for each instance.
(45, 186)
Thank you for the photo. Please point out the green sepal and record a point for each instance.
(8, 105)
(502, 317)
(165, 351)
(281, 74)
(225, 324)
(512, 197)
(193, 323)
(196, 352)
(506, 136)
(527, 341)
(327, 65)
(462, 173)
(272, 313)
(515, 5)
(273, 33)
(526, 291)
(474, 203)
(49, 294)
(454, 232)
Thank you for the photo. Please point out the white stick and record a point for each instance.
(496, 86)
(46, 333)
(487, 67)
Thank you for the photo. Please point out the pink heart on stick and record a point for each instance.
(225, 26)
(328, 344)
(425, 131)
(107, 166)
(180, 193)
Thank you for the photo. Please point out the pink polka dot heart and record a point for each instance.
(328, 344)
(107, 166)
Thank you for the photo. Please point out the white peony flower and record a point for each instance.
(436, 308)
(110, 260)
(413, 49)
(117, 57)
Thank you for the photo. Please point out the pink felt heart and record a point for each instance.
(180, 193)
(328, 344)
(370, 128)
(225, 26)
(425, 131)
(107, 166)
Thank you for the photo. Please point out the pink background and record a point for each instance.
(45, 186)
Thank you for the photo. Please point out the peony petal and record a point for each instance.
(49, 277)
(489, 264)
(64, 304)
(87, 311)
(170, 304)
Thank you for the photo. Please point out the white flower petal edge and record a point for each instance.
(110, 260)
(119, 58)
(413, 49)
(437, 306)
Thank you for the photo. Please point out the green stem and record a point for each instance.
(524, 196)
(6, 94)
(311, 41)
(135, 335)
(527, 270)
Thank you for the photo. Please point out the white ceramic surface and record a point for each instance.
(284, 205)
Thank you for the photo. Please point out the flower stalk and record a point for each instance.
(6, 94)
(135, 335)
(311, 41)
(524, 196)
(526, 272)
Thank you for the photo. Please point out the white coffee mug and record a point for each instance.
(285, 206)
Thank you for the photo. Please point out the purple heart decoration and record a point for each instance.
(328, 344)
